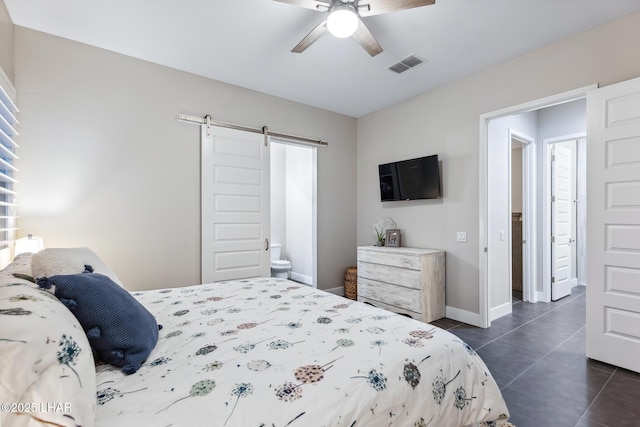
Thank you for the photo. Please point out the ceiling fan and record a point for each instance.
(343, 19)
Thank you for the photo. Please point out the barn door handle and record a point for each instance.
(266, 244)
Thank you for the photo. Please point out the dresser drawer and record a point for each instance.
(408, 281)
(389, 274)
(390, 259)
(392, 308)
(397, 296)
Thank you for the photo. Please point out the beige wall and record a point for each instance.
(105, 164)
(6, 42)
(445, 121)
(123, 177)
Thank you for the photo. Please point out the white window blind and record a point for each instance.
(8, 146)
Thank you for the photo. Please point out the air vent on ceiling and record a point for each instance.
(406, 64)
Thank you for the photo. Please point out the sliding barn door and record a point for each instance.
(613, 225)
(235, 204)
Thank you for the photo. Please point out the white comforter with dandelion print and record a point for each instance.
(271, 352)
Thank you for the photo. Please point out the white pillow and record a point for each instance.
(21, 264)
(45, 359)
(53, 261)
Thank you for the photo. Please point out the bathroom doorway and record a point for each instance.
(293, 207)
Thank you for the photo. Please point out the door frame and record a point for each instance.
(314, 207)
(528, 214)
(483, 320)
(545, 295)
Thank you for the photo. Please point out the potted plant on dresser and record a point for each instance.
(380, 228)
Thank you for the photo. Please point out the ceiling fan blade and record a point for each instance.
(310, 38)
(308, 4)
(378, 7)
(364, 37)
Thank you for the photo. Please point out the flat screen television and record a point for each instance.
(410, 179)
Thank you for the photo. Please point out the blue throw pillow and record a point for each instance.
(119, 328)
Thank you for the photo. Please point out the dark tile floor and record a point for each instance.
(537, 356)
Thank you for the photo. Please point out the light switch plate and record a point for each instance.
(461, 236)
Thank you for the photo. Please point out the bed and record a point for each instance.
(254, 352)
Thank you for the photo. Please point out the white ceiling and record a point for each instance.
(248, 42)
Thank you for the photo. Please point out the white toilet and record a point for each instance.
(279, 267)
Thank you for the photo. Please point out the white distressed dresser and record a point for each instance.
(403, 280)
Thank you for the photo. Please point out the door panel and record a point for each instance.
(613, 224)
(562, 222)
(235, 204)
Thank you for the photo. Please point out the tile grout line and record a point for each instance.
(542, 357)
(596, 397)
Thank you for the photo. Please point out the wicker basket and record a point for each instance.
(351, 283)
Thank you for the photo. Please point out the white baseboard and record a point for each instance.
(307, 280)
(499, 311)
(540, 297)
(462, 316)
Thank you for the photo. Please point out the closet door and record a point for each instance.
(563, 263)
(235, 204)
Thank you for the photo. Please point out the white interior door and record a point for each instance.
(235, 204)
(563, 274)
(613, 225)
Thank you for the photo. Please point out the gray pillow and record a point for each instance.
(55, 261)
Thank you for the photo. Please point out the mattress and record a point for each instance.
(272, 352)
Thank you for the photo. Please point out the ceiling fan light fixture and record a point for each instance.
(342, 21)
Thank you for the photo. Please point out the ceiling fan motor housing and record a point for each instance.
(342, 21)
